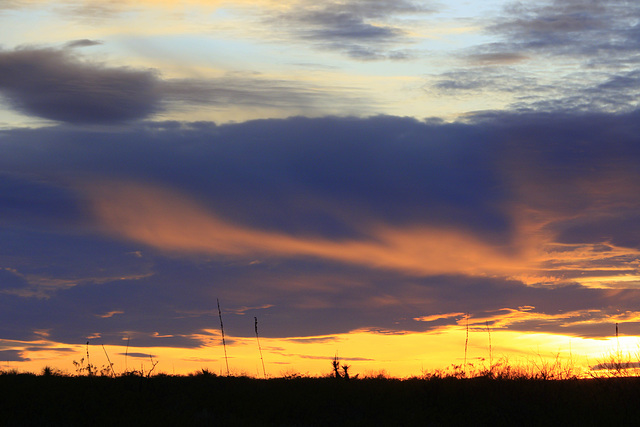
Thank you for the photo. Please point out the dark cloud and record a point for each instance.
(53, 349)
(25, 200)
(82, 43)
(57, 85)
(589, 50)
(362, 29)
(306, 356)
(139, 355)
(619, 365)
(543, 202)
(488, 79)
(573, 28)
(578, 92)
(12, 356)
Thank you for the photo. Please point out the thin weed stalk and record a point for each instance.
(466, 345)
(88, 363)
(90, 370)
(490, 349)
(126, 354)
(224, 344)
(264, 372)
(153, 366)
(113, 373)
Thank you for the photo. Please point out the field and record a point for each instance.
(202, 399)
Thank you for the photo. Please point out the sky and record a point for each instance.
(404, 184)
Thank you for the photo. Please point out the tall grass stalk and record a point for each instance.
(153, 366)
(89, 367)
(88, 356)
(126, 355)
(490, 349)
(224, 344)
(264, 372)
(113, 373)
(466, 345)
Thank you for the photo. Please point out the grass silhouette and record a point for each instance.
(504, 395)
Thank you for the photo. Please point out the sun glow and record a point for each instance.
(399, 355)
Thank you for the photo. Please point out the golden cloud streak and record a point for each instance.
(437, 317)
(169, 221)
(510, 316)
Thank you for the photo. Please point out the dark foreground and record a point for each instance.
(205, 400)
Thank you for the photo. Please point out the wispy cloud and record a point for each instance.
(572, 28)
(589, 48)
(360, 29)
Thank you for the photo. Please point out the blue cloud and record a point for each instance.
(574, 176)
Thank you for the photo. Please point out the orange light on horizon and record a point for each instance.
(400, 355)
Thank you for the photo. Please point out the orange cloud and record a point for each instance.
(169, 221)
(506, 317)
(437, 317)
(110, 314)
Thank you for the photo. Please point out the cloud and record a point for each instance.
(434, 317)
(98, 9)
(361, 29)
(138, 355)
(524, 91)
(319, 227)
(14, 4)
(57, 85)
(308, 356)
(488, 79)
(588, 48)
(12, 356)
(82, 43)
(110, 314)
(572, 28)
(60, 85)
(619, 366)
(497, 58)
(256, 91)
(167, 221)
(38, 202)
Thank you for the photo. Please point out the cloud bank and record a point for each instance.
(320, 226)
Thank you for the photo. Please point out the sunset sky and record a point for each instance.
(360, 175)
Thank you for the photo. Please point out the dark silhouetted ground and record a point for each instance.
(208, 400)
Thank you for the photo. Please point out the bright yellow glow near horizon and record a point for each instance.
(367, 353)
